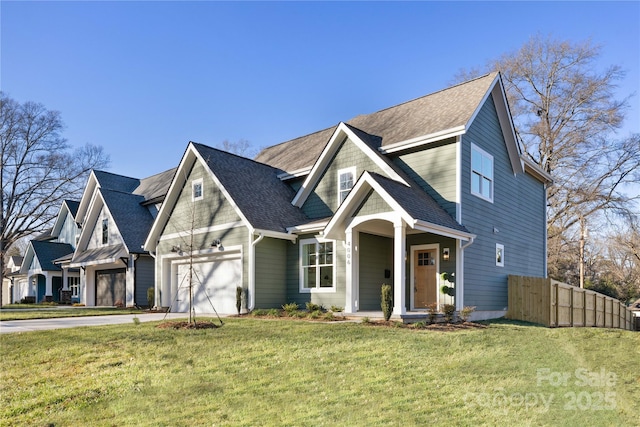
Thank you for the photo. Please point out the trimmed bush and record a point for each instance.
(239, 295)
(465, 313)
(449, 310)
(387, 301)
(290, 309)
(311, 307)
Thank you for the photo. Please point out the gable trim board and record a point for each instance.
(340, 135)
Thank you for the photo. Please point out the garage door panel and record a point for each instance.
(214, 286)
(110, 287)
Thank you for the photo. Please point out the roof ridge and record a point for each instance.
(300, 137)
(234, 155)
(159, 173)
(425, 96)
(115, 174)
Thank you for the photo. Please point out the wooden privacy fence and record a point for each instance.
(552, 303)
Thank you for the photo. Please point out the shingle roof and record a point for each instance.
(102, 253)
(156, 186)
(255, 188)
(46, 252)
(132, 219)
(112, 181)
(417, 203)
(73, 207)
(439, 111)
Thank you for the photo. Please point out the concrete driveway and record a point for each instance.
(11, 326)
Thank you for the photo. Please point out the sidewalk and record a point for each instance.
(11, 326)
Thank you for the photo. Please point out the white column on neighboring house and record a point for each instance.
(351, 258)
(65, 279)
(48, 290)
(399, 267)
(131, 281)
(82, 287)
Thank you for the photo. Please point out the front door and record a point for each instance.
(425, 278)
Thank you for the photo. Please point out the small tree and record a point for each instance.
(387, 301)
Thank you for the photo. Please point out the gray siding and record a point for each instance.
(323, 200)
(433, 168)
(144, 279)
(373, 204)
(213, 209)
(271, 273)
(517, 213)
(376, 256)
(327, 299)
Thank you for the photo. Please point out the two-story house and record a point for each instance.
(428, 193)
(116, 213)
(45, 277)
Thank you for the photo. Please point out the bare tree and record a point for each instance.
(241, 147)
(39, 169)
(566, 114)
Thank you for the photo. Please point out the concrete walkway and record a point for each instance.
(11, 326)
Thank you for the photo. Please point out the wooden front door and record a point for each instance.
(425, 275)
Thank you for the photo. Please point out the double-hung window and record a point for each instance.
(317, 272)
(481, 173)
(74, 286)
(196, 190)
(105, 231)
(346, 179)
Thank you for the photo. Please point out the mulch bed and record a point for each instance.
(187, 325)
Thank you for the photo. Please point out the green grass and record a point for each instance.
(50, 312)
(287, 372)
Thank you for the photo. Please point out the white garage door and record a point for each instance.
(213, 286)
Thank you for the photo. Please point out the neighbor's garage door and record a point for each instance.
(110, 287)
(213, 286)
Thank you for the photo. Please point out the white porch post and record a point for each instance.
(351, 259)
(130, 281)
(48, 292)
(399, 268)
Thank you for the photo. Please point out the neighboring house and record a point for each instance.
(116, 213)
(45, 278)
(12, 279)
(431, 192)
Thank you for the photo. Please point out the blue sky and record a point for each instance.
(144, 78)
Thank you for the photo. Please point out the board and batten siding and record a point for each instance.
(271, 273)
(213, 209)
(144, 279)
(433, 168)
(326, 299)
(68, 231)
(515, 219)
(114, 238)
(323, 200)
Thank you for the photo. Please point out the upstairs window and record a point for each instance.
(105, 231)
(196, 190)
(346, 179)
(317, 271)
(481, 173)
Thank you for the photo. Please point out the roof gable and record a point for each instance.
(45, 253)
(416, 208)
(67, 207)
(367, 145)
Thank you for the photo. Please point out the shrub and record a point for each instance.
(465, 313)
(365, 319)
(336, 309)
(387, 301)
(449, 311)
(433, 312)
(290, 309)
(420, 324)
(311, 307)
(273, 312)
(259, 312)
(314, 314)
(239, 295)
(328, 316)
(151, 296)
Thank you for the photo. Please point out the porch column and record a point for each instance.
(352, 283)
(48, 291)
(65, 279)
(399, 268)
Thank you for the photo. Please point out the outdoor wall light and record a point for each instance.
(176, 249)
(217, 243)
(445, 254)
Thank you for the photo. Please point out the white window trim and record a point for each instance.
(484, 153)
(352, 171)
(193, 185)
(301, 287)
(102, 239)
(499, 249)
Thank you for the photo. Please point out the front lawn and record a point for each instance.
(28, 311)
(288, 372)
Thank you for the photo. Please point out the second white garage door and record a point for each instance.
(213, 286)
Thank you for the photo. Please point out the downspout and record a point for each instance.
(156, 294)
(252, 272)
